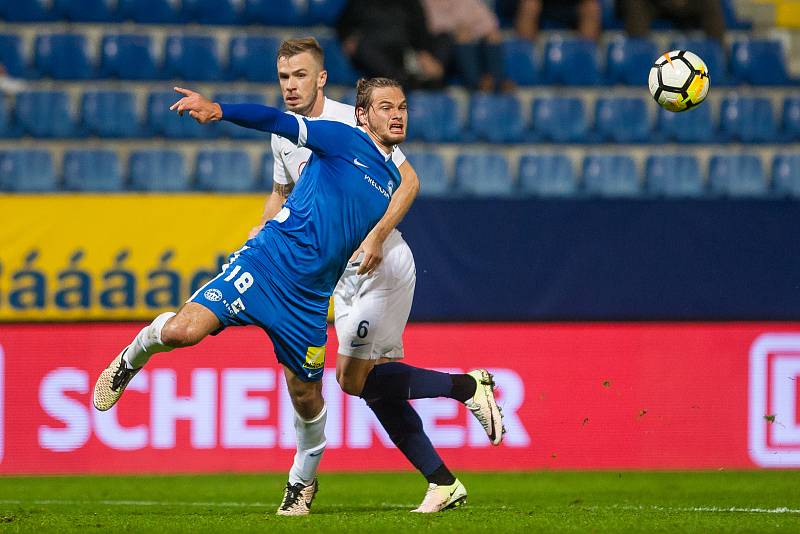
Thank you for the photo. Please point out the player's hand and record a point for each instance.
(199, 107)
(254, 231)
(372, 247)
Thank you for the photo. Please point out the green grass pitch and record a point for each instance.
(545, 501)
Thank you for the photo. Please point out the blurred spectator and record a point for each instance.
(390, 38)
(638, 15)
(9, 85)
(585, 16)
(475, 32)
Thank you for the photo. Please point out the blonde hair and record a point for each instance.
(292, 47)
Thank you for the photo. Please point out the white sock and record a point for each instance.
(147, 342)
(310, 446)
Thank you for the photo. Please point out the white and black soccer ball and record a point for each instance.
(679, 80)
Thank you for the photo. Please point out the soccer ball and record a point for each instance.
(679, 80)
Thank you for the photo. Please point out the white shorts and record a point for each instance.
(372, 310)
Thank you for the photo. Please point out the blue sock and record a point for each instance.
(395, 380)
(404, 426)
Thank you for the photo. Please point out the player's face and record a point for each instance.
(387, 116)
(301, 78)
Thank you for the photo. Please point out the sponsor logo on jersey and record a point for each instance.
(213, 294)
(315, 358)
(377, 186)
(359, 163)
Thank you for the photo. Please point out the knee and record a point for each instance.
(307, 400)
(350, 384)
(180, 333)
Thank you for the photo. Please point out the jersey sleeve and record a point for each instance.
(278, 168)
(323, 136)
(398, 157)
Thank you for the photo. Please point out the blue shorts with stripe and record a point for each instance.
(245, 293)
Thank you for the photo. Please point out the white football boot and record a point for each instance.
(297, 499)
(485, 408)
(439, 498)
(112, 382)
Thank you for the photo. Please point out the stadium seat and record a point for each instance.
(712, 54)
(747, 119)
(92, 170)
(519, 60)
(570, 62)
(559, 119)
(28, 11)
(674, 175)
(224, 170)
(786, 175)
(211, 11)
(5, 122)
(85, 10)
(272, 13)
(484, 175)
(27, 170)
(11, 56)
(192, 58)
(340, 71)
(158, 170)
(128, 57)
(228, 129)
(629, 60)
(110, 114)
(611, 175)
(737, 175)
(433, 117)
(790, 119)
(433, 178)
(622, 120)
(496, 118)
(252, 58)
(759, 62)
(325, 12)
(691, 126)
(44, 114)
(63, 56)
(163, 122)
(547, 175)
(267, 169)
(149, 11)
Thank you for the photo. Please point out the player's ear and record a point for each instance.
(361, 116)
(322, 79)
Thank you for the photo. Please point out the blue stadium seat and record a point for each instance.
(691, 126)
(547, 175)
(325, 12)
(759, 62)
(747, 119)
(267, 169)
(737, 175)
(110, 114)
(629, 60)
(63, 56)
(85, 10)
(128, 57)
(340, 71)
(519, 60)
(570, 62)
(786, 175)
(163, 122)
(433, 178)
(192, 58)
(790, 119)
(5, 122)
(611, 175)
(496, 118)
(44, 114)
(28, 11)
(253, 58)
(622, 120)
(27, 170)
(158, 170)
(433, 117)
(228, 129)
(211, 11)
(224, 170)
(712, 54)
(274, 13)
(11, 56)
(149, 11)
(92, 170)
(484, 175)
(674, 175)
(559, 119)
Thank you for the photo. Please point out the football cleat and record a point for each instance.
(439, 498)
(484, 407)
(297, 499)
(112, 382)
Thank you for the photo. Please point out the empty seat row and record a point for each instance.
(270, 12)
(147, 170)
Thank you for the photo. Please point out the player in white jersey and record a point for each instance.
(372, 300)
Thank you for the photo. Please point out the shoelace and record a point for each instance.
(291, 498)
(122, 376)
